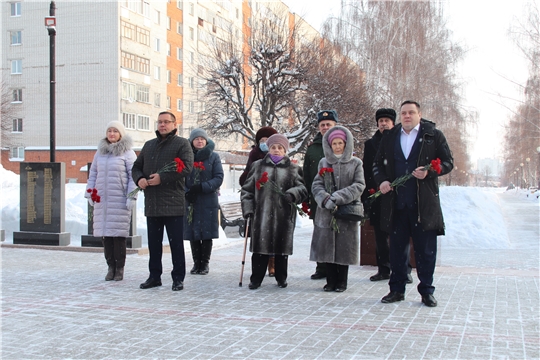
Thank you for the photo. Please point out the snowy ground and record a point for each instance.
(467, 210)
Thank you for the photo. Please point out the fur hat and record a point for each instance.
(278, 139)
(198, 132)
(118, 126)
(265, 131)
(387, 113)
(337, 134)
(327, 115)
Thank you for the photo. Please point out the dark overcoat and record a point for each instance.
(327, 245)
(274, 219)
(433, 146)
(205, 223)
(372, 207)
(255, 154)
(314, 154)
(167, 198)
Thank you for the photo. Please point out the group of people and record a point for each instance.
(185, 202)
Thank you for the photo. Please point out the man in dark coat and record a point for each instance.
(414, 209)
(314, 153)
(385, 119)
(164, 198)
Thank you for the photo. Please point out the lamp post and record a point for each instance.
(528, 179)
(538, 167)
(522, 175)
(50, 23)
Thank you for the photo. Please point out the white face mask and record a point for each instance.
(338, 155)
(263, 147)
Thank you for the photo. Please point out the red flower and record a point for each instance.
(325, 170)
(179, 165)
(199, 165)
(436, 165)
(371, 191)
(89, 191)
(306, 209)
(263, 180)
(93, 195)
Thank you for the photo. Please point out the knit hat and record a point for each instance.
(387, 113)
(265, 131)
(327, 115)
(198, 132)
(118, 126)
(337, 134)
(278, 139)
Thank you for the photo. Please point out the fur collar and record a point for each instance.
(116, 149)
(347, 153)
(205, 152)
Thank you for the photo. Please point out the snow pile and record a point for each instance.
(473, 219)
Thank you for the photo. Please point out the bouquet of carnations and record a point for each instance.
(176, 165)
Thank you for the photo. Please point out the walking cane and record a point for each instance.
(244, 254)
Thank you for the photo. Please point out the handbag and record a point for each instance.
(353, 211)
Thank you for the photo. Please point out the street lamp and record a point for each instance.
(522, 176)
(538, 167)
(528, 179)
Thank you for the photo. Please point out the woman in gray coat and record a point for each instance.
(201, 223)
(108, 185)
(338, 244)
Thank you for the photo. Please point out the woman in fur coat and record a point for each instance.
(273, 187)
(338, 244)
(107, 191)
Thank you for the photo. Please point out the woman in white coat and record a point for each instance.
(107, 191)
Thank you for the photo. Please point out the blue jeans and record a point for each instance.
(175, 233)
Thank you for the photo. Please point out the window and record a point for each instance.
(16, 37)
(201, 22)
(128, 91)
(129, 120)
(191, 9)
(17, 125)
(143, 65)
(128, 30)
(168, 23)
(180, 28)
(179, 104)
(191, 57)
(168, 76)
(143, 94)
(146, 8)
(237, 13)
(157, 73)
(17, 153)
(192, 83)
(16, 66)
(179, 4)
(179, 54)
(168, 49)
(143, 36)
(191, 33)
(180, 80)
(157, 99)
(168, 102)
(128, 60)
(17, 96)
(157, 44)
(143, 122)
(157, 16)
(16, 8)
(191, 107)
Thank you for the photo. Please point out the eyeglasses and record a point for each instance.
(166, 122)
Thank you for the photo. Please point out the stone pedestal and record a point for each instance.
(2, 235)
(42, 210)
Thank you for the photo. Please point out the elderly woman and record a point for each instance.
(201, 223)
(107, 191)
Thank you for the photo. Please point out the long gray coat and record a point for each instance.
(110, 174)
(326, 245)
(274, 218)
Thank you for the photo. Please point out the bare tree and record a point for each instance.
(8, 111)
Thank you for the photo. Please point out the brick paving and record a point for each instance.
(55, 304)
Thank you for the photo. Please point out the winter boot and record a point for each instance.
(120, 257)
(205, 256)
(196, 249)
(331, 277)
(108, 251)
(342, 276)
(271, 266)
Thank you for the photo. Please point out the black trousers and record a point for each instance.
(425, 251)
(259, 263)
(175, 233)
(382, 251)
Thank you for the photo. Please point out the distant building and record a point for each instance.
(493, 166)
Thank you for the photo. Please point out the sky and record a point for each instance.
(491, 66)
(467, 210)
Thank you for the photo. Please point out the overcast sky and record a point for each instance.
(490, 68)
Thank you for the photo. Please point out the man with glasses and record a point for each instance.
(164, 198)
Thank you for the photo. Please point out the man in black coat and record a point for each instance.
(164, 198)
(414, 209)
(385, 119)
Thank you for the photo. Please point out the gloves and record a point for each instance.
(191, 196)
(90, 201)
(197, 188)
(330, 205)
(289, 198)
(130, 203)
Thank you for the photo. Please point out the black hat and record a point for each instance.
(265, 131)
(386, 113)
(327, 115)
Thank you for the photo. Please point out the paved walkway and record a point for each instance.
(55, 304)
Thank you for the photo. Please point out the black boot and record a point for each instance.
(331, 277)
(119, 257)
(108, 251)
(342, 276)
(196, 249)
(205, 256)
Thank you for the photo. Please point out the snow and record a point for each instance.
(473, 215)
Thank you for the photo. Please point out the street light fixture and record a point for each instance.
(538, 167)
(522, 175)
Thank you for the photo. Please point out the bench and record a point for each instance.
(231, 215)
